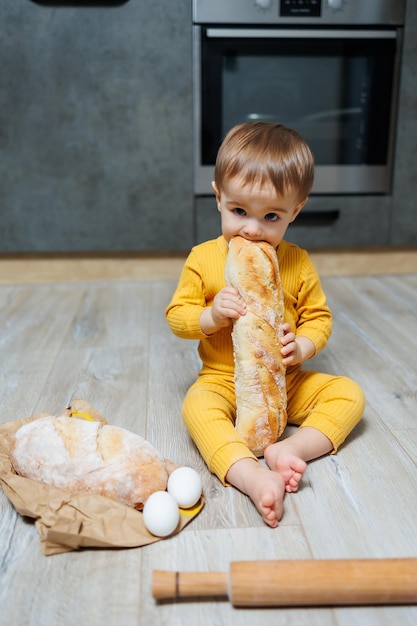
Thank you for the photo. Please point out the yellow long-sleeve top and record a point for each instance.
(202, 278)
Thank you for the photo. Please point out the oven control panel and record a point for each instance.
(300, 8)
(299, 12)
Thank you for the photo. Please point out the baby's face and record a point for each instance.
(256, 212)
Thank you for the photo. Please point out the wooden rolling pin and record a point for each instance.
(297, 583)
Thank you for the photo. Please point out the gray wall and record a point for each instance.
(404, 207)
(95, 127)
(96, 136)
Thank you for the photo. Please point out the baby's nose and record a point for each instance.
(252, 228)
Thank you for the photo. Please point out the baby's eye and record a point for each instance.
(271, 217)
(239, 211)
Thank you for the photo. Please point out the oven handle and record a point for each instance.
(277, 33)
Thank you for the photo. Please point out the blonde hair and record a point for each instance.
(261, 152)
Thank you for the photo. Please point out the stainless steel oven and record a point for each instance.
(327, 68)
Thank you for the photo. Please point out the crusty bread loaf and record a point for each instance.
(77, 455)
(252, 269)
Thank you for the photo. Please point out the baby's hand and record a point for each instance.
(227, 306)
(295, 349)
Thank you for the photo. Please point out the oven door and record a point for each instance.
(336, 87)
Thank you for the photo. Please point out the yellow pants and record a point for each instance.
(331, 404)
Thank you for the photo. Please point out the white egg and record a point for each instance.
(161, 514)
(184, 484)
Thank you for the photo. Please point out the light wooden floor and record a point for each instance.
(16, 269)
(106, 340)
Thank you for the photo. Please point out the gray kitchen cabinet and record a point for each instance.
(95, 127)
(96, 137)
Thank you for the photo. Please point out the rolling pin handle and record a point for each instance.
(168, 585)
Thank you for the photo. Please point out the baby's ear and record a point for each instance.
(298, 209)
(216, 191)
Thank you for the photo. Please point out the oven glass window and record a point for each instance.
(335, 92)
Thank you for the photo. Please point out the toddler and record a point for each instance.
(263, 176)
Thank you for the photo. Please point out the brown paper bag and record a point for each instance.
(68, 521)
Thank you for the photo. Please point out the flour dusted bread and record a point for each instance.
(77, 455)
(252, 269)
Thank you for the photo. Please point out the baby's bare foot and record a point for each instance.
(282, 460)
(267, 493)
(265, 488)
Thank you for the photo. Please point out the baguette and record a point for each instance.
(261, 399)
(77, 455)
